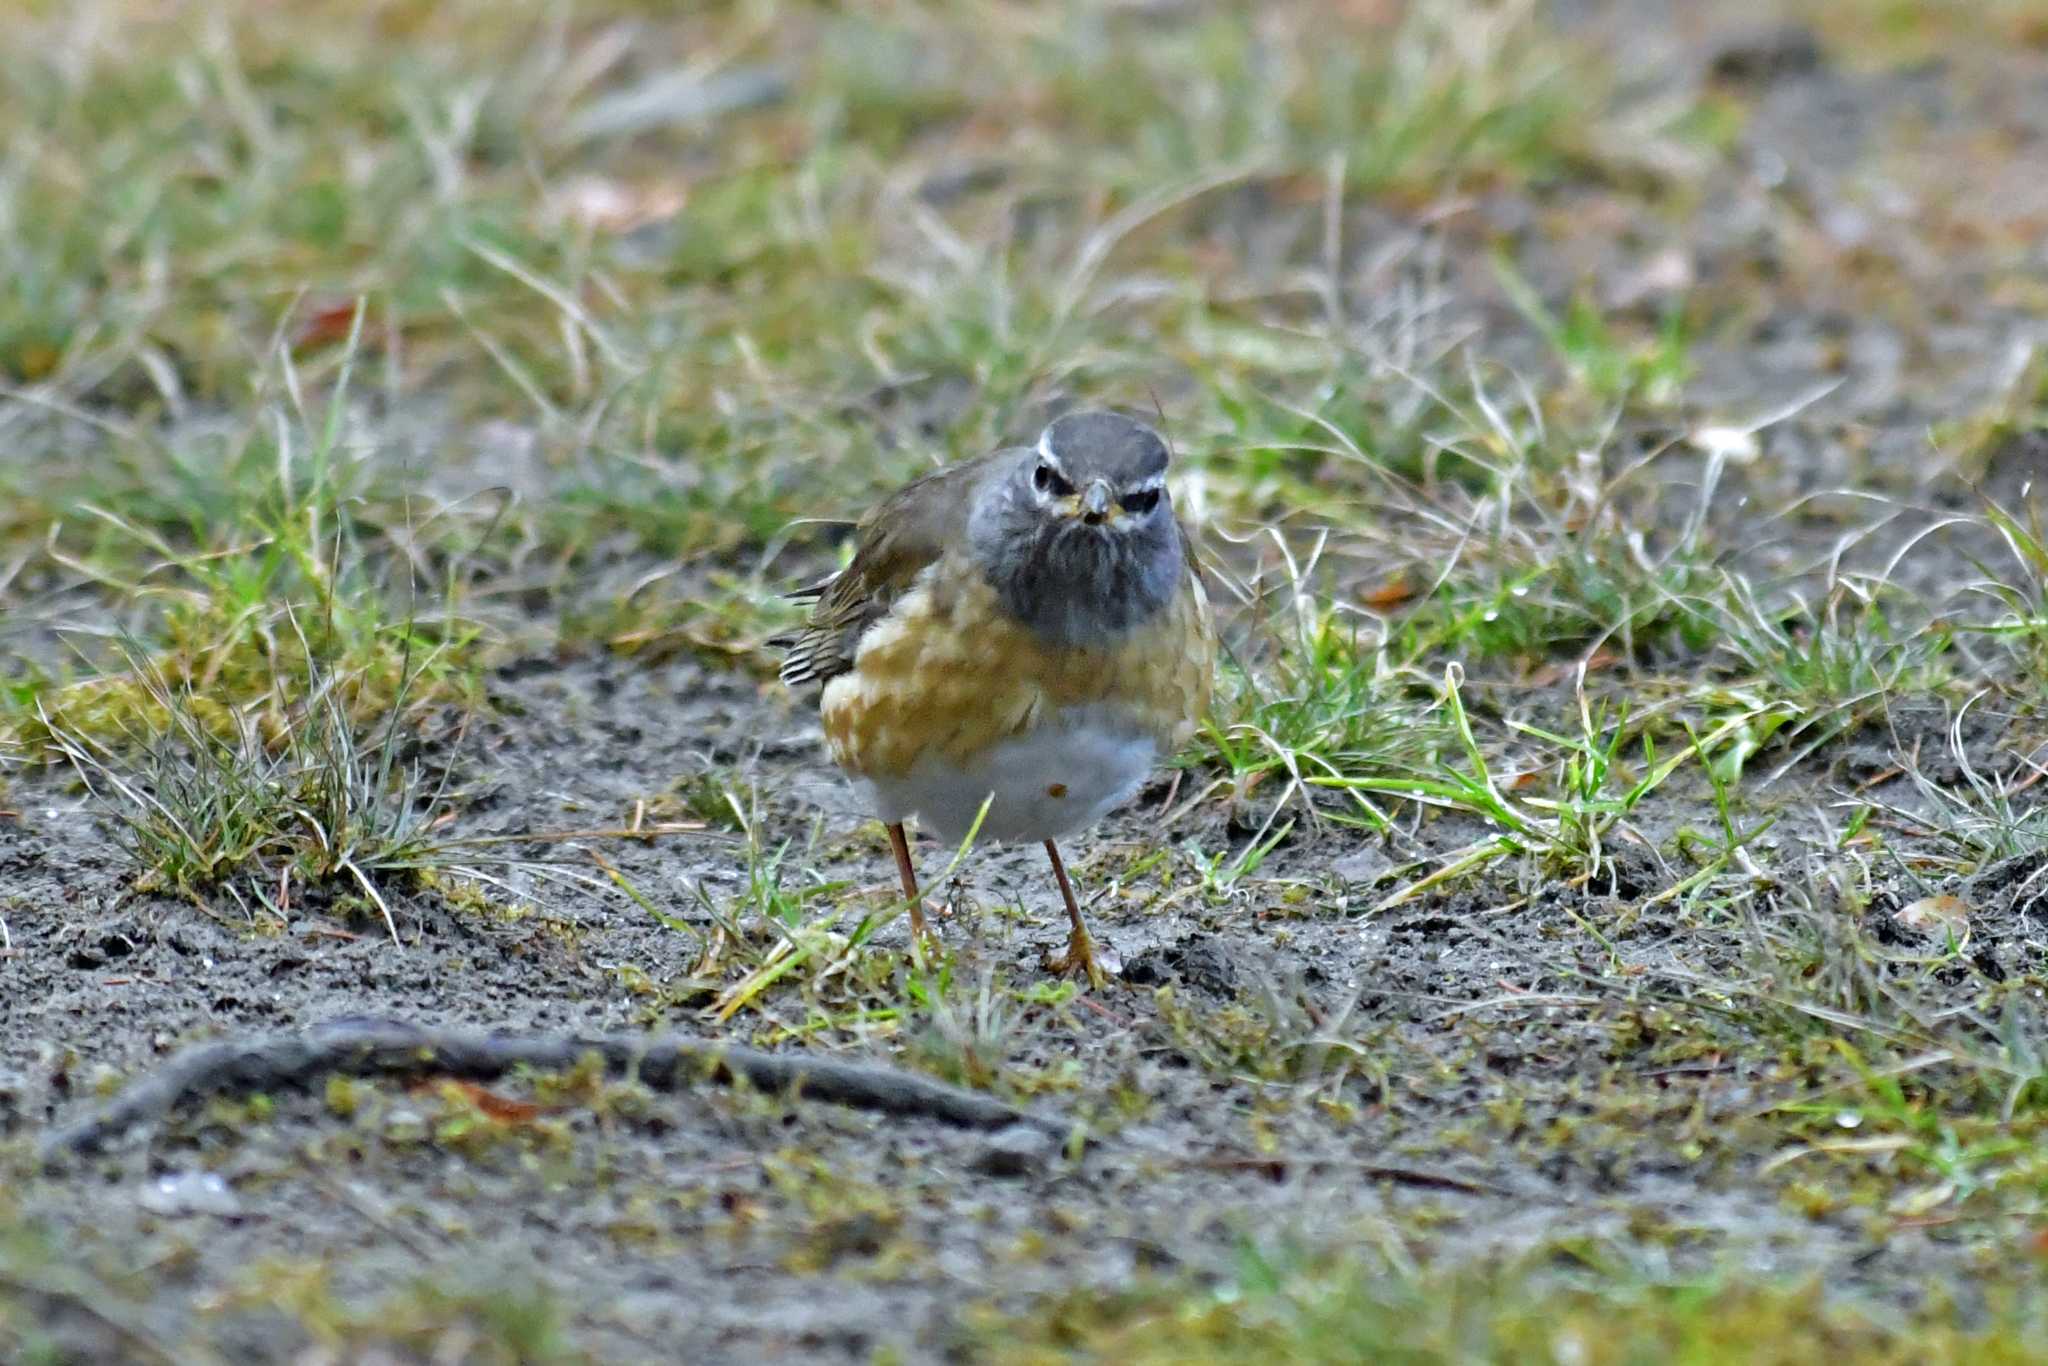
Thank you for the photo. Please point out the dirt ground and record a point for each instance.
(1507, 1069)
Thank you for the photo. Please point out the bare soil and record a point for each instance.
(1509, 1081)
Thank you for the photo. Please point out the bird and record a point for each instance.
(1026, 631)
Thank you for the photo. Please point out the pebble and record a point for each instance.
(178, 1195)
(1016, 1150)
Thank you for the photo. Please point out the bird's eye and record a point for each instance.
(1046, 479)
(1141, 502)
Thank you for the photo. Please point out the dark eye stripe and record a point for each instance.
(1141, 502)
(1048, 480)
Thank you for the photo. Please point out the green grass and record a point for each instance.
(347, 349)
(2021, 590)
(649, 304)
(295, 1299)
(211, 808)
(692, 334)
(1894, 32)
(429, 1316)
(1580, 1307)
(289, 240)
(278, 558)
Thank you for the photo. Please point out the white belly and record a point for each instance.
(1063, 776)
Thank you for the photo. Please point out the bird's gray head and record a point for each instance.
(1077, 532)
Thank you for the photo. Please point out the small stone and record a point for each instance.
(178, 1195)
(1199, 960)
(1762, 56)
(1737, 445)
(1016, 1150)
(405, 1125)
(1368, 864)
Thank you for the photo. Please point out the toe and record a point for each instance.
(1082, 958)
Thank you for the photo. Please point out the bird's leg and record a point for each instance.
(1080, 954)
(906, 870)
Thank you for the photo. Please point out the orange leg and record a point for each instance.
(1080, 954)
(908, 872)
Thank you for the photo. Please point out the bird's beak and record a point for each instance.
(1096, 501)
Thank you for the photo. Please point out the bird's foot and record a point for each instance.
(924, 927)
(1083, 957)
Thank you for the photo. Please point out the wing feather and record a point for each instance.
(908, 531)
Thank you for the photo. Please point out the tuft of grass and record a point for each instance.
(237, 587)
(1833, 664)
(1276, 1038)
(1984, 819)
(1563, 549)
(208, 803)
(314, 804)
(1491, 537)
(1613, 369)
(1910, 1080)
(1557, 819)
(1293, 1306)
(643, 281)
(2023, 622)
(1311, 702)
(55, 1308)
(723, 619)
(1901, 32)
(426, 1319)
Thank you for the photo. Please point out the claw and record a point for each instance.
(924, 933)
(1081, 957)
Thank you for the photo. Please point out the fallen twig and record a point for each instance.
(385, 1047)
(1279, 1166)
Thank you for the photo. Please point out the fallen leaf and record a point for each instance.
(617, 206)
(1935, 916)
(1922, 1203)
(324, 326)
(504, 1109)
(1392, 593)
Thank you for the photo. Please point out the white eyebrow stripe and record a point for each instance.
(1045, 452)
(1149, 485)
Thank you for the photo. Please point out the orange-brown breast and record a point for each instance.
(948, 673)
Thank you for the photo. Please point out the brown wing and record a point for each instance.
(910, 529)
